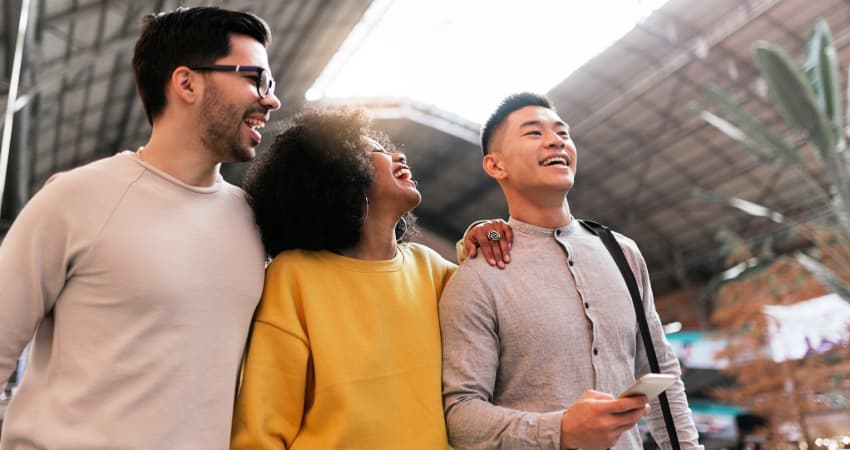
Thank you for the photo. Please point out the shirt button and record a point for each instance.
(557, 232)
(587, 305)
(595, 351)
(570, 262)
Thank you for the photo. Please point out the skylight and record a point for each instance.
(463, 56)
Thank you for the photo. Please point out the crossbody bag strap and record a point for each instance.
(616, 252)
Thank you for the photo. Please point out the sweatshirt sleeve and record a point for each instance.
(469, 329)
(460, 249)
(35, 260)
(270, 405)
(667, 362)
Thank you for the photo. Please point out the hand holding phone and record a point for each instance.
(650, 385)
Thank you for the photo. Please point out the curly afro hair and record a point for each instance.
(308, 190)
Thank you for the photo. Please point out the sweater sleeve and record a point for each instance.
(469, 330)
(270, 405)
(460, 249)
(35, 260)
(667, 362)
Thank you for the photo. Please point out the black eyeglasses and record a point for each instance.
(264, 80)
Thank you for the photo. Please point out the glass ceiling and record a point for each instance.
(463, 56)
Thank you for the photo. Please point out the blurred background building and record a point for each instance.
(637, 81)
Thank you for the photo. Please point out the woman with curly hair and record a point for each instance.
(345, 350)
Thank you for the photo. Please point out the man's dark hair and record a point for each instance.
(308, 190)
(508, 105)
(186, 37)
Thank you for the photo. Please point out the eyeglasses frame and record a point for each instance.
(241, 69)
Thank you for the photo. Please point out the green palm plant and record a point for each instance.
(809, 100)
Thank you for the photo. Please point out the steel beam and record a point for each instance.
(740, 17)
(12, 200)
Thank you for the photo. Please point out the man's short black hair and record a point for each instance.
(508, 105)
(186, 37)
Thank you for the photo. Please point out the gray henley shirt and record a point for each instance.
(521, 345)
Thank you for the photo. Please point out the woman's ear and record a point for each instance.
(186, 84)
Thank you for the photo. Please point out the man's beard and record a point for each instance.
(223, 128)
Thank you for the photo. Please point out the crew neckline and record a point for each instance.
(212, 189)
(365, 265)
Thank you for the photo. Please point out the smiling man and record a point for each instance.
(138, 274)
(533, 354)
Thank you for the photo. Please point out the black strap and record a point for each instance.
(616, 252)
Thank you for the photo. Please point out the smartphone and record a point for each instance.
(650, 385)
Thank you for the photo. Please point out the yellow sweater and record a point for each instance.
(345, 353)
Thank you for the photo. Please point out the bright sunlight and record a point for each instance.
(463, 56)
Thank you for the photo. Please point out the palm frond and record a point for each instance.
(825, 275)
(794, 96)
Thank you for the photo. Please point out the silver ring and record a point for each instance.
(494, 235)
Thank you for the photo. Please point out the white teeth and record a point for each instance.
(554, 160)
(402, 173)
(255, 123)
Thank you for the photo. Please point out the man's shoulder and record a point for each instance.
(629, 246)
(477, 274)
(235, 190)
(630, 249)
(477, 265)
(95, 175)
(92, 184)
(627, 243)
(525, 252)
(625, 240)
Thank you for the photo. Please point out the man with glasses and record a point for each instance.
(138, 274)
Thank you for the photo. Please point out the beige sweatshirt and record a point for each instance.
(139, 290)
